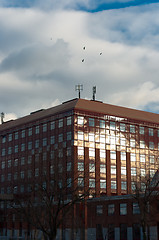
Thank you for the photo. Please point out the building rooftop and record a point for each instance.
(87, 106)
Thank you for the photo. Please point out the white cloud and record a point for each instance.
(41, 53)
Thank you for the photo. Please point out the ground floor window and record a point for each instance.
(136, 231)
(123, 231)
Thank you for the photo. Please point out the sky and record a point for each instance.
(48, 47)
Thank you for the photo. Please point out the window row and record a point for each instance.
(28, 132)
(114, 126)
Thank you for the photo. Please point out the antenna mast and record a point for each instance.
(2, 117)
(94, 92)
(79, 88)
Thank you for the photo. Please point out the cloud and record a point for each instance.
(41, 57)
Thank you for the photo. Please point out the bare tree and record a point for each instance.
(47, 205)
(145, 192)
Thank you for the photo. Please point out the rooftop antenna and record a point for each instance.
(94, 92)
(79, 88)
(2, 117)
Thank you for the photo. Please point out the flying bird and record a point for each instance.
(82, 60)
(84, 48)
(100, 53)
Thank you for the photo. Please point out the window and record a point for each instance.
(60, 139)
(133, 157)
(69, 182)
(136, 231)
(80, 120)
(80, 166)
(102, 138)
(91, 167)
(102, 168)
(36, 172)
(151, 145)
(142, 144)
(122, 127)
(22, 174)
(133, 186)
(29, 173)
(16, 148)
(23, 133)
(52, 139)
(44, 156)
(3, 165)
(29, 131)
(29, 145)
(3, 139)
(37, 130)
(81, 182)
(22, 160)
(51, 169)
(91, 137)
(91, 152)
(123, 170)
(80, 135)
(92, 183)
(69, 151)
(9, 163)
(102, 153)
(150, 131)
(69, 136)
(113, 169)
(2, 178)
(132, 142)
(111, 232)
(9, 176)
(91, 122)
(3, 152)
(112, 155)
(99, 209)
(123, 231)
(44, 142)
(112, 125)
(123, 156)
(152, 172)
(80, 151)
(123, 185)
(60, 123)
(123, 209)
(133, 171)
(142, 158)
(69, 165)
(16, 135)
(123, 141)
(103, 183)
(141, 130)
(52, 125)
(60, 168)
(69, 120)
(60, 153)
(113, 184)
(152, 159)
(111, 209)
(9, 150)
(23, 147)
(102, 124)
(132, 129)
(29, 159)
(44, 127)
(37, 143)
(16, 162)
(136, 209)
(10, 137)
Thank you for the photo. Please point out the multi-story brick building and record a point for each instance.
(104, 147)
